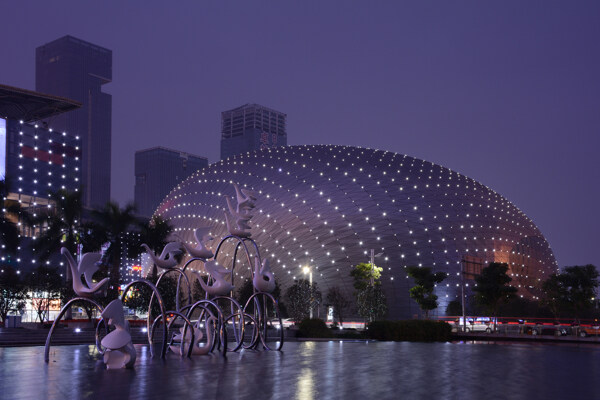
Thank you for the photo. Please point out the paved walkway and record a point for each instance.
(312, 370)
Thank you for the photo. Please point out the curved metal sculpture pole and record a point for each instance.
(186, 324)
(161, 304)
(181, 273)
(255, 248)
(58, 318)
(240, 240)
(179, 279)
(262, 321)
(239, 335)
(220, 320)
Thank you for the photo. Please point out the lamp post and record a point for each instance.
(308, 271)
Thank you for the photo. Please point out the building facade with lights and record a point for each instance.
(38, 161)
(157, 171)
(326, 207)
(35, 160)
(78, 69)
(251, 127)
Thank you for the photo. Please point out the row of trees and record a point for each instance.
(42, 286)
(571, 293)
(370, 300)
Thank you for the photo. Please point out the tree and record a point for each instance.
(492, 287)
(12, 293)
(45, 285)
(300, 298)
(340, 303)
(555, 294)
(62, 226)
(247, 289)
(370, 299)
(371, 303)
(60, 229)
(154, 233)
(244, 292)
(571, 291)
(425, 281)
(454, 308)
(365, 274)
(109, 225)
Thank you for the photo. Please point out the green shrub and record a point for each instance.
(314, 328)
(412, 330)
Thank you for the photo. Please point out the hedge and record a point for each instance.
(412, 330)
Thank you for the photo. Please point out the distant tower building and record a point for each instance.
(158, 171)
(251, 127)
(76, 69)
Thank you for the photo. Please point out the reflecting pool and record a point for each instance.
(313, 370)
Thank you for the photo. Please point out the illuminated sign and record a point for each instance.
(2, 148)
(136, 268)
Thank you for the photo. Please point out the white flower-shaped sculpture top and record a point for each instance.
(245, 198)
(198, 335)
(87, 266)
(166, 260)
(220, 287)
(119, 352)
(200, 251)
(241, 212)
(263, 280)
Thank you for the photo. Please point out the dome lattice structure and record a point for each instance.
(326, 206)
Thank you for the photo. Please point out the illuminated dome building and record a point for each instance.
(327, 206)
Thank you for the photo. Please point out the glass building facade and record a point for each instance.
(326, 207)
(157, 171)
(251, 127)
(76, 69)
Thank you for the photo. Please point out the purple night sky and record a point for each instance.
(506, 93)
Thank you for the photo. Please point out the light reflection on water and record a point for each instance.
(314, 370)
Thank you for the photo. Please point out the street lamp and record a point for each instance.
(308, 271)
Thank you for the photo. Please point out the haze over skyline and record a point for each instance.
(507, 94)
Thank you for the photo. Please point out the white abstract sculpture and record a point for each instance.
(166, 260)
(220, 287)
(241, 212)
(198, 335)
(87, 266)
(263, 280)
(200, 251)
(119, 351)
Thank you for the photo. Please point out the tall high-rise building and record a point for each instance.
(158, 171)
(76, 69)
(251, 127)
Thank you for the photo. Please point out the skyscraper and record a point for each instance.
(251, 127)
(157, 171)
(76, 69)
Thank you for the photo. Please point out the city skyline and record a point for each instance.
(506, 95)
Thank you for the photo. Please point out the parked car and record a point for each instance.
(555, 330)
(585, 331)
(476, 324)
